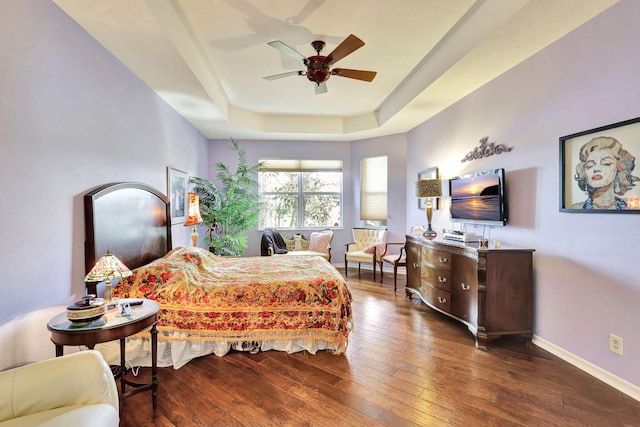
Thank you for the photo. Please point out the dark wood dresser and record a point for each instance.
(489, 290)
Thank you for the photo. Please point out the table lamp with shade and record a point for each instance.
(107, 270)
(193, 216)
(429, 188)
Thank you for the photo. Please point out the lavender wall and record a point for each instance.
(220, 151)
(72, 117)
(586, 265)
(393, 146)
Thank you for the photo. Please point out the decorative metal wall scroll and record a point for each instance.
(485, 150)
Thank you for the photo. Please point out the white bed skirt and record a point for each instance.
(177, 353)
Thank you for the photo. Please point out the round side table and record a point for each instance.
(113, 326)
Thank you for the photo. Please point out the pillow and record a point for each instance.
(318, 242)
(374, 248)
(297, 246)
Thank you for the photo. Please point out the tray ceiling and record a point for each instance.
(206, 58)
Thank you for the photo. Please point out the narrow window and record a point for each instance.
(373, 190)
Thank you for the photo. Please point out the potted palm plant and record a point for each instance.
(231, 212)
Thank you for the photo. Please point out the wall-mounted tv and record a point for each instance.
(479, 198)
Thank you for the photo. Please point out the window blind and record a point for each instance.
(297, 165)
(373, 188)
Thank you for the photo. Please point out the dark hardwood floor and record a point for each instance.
(406, 365)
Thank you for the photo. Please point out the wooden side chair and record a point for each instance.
(396, 257)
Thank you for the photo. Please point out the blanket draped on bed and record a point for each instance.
(239, 299)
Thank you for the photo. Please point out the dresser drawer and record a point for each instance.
(436, 277)
(437, 259)
(436, 297)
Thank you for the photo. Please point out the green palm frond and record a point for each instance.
(235, 209)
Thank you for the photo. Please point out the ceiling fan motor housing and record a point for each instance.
(317, 45)
(318, 69)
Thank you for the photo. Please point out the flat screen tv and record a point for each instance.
(479, 198)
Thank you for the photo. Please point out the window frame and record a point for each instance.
(299, 169)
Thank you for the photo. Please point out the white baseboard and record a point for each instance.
(607, 377)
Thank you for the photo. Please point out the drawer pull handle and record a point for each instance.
(442, 279)
(442, 300)
(465, 287)
(415, 265)
(443, 260)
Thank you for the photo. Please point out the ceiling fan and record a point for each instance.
(319, 67)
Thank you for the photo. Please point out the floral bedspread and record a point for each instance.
(206, 297)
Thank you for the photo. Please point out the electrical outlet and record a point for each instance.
(615, 344)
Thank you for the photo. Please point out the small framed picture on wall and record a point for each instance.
(177, 192)
(597, 169)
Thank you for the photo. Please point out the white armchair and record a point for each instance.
(73, 390)
(364, 247)
(319, 243)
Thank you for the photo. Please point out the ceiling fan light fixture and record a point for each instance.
(319, 66)
(318, 69)
(318, 76)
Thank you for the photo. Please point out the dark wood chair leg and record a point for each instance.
(395, 276)
(373, 262)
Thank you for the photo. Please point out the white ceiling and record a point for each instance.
(206, 58)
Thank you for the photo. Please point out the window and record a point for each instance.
(373, 189)
(300, 194)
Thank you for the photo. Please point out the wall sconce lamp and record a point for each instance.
(107, 270)
(193, 216)
(429, 188)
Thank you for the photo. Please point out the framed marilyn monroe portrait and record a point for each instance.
(597, 169)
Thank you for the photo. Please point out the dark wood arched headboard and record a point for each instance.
(129, 219)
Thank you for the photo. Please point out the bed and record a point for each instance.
(211, 304)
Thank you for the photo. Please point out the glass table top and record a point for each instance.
(113, 318)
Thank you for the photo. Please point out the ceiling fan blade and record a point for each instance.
(348, 46)
(284, 48)
(354, 74)
(281, 75)
(321, 88)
